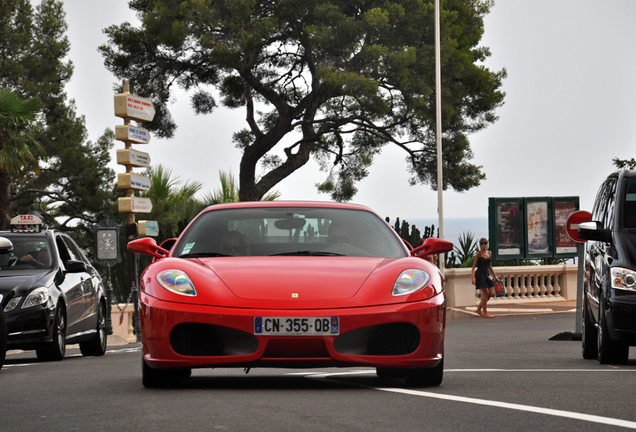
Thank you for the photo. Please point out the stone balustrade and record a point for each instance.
(523, 284)
(125, 329)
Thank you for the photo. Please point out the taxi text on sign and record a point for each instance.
(134, 205)
(134, 107)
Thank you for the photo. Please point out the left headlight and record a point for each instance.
(38, 296)
(410, 281)
(623, 278)
(15, 301)
(176, 281)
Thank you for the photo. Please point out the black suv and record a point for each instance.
(609, 282)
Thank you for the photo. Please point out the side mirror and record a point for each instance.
(147, 246)
(5, 245)
(594, 231)
(74, 266)
(432, 246)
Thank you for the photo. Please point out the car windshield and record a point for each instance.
(629, 206)
(29, 252)
(289, 231)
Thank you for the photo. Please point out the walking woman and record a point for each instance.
(484, 277)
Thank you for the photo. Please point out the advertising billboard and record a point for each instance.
(530, 227)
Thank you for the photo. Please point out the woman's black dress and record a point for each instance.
(481, 274)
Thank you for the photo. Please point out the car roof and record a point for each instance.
(278, 203)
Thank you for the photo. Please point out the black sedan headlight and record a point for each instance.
(38, 296)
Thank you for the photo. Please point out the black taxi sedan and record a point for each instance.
(52, 295)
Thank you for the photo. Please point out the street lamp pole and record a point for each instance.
(438, 133)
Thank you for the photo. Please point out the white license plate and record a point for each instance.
(297, 326)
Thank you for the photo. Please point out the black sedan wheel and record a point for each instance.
(55, 351)
(425, 377)
(589, 344)
(609, 352)
(97, 346)
(3, 337)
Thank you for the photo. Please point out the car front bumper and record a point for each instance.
(177, 335)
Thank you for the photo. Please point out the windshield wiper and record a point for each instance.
(203, 255)
(307, 253)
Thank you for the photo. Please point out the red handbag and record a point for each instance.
(500, 290)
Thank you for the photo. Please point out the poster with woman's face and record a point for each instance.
(537, 214)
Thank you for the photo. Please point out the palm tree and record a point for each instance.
(19, 152)
(229, 191)
(172, 206)
(467, 248)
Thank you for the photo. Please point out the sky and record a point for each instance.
(569, 110)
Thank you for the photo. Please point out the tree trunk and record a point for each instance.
(5, 200)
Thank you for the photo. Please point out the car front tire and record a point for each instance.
(609, 352)
(589, 339)
(425, 377)
(97, 346)
(55, 350)
(153, 378)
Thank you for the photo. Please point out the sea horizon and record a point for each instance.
(453, 227)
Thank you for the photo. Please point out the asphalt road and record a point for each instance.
(501, 374)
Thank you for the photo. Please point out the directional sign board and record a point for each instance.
(148, 228)
(132, 134)
(133, 158)
(134, 205)
(133, 181)
(134, 107)
(573, 224)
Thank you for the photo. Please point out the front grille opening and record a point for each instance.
(394, 339)
(381, 340)
(206, 340)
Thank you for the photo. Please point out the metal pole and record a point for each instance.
(580, 249)
(109, 301)
(131, 220)
(438, 133)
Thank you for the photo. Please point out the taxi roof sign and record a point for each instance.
(26, 223)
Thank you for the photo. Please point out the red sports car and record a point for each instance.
(291, 284)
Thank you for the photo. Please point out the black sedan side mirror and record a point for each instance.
(74, 266)
(594, 231)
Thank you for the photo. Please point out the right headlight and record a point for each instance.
(623, 278)
(177, 281)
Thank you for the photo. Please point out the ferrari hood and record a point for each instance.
(286, 278)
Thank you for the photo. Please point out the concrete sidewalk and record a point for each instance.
(500, 310)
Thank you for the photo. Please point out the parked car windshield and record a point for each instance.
(289, 231)
(629, 205)
(29, 251)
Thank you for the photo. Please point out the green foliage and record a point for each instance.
(343, 78)
(624, 164)
(468, 247)
(228, 191)
(19, 151)
(73, 188)
(173, 203)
